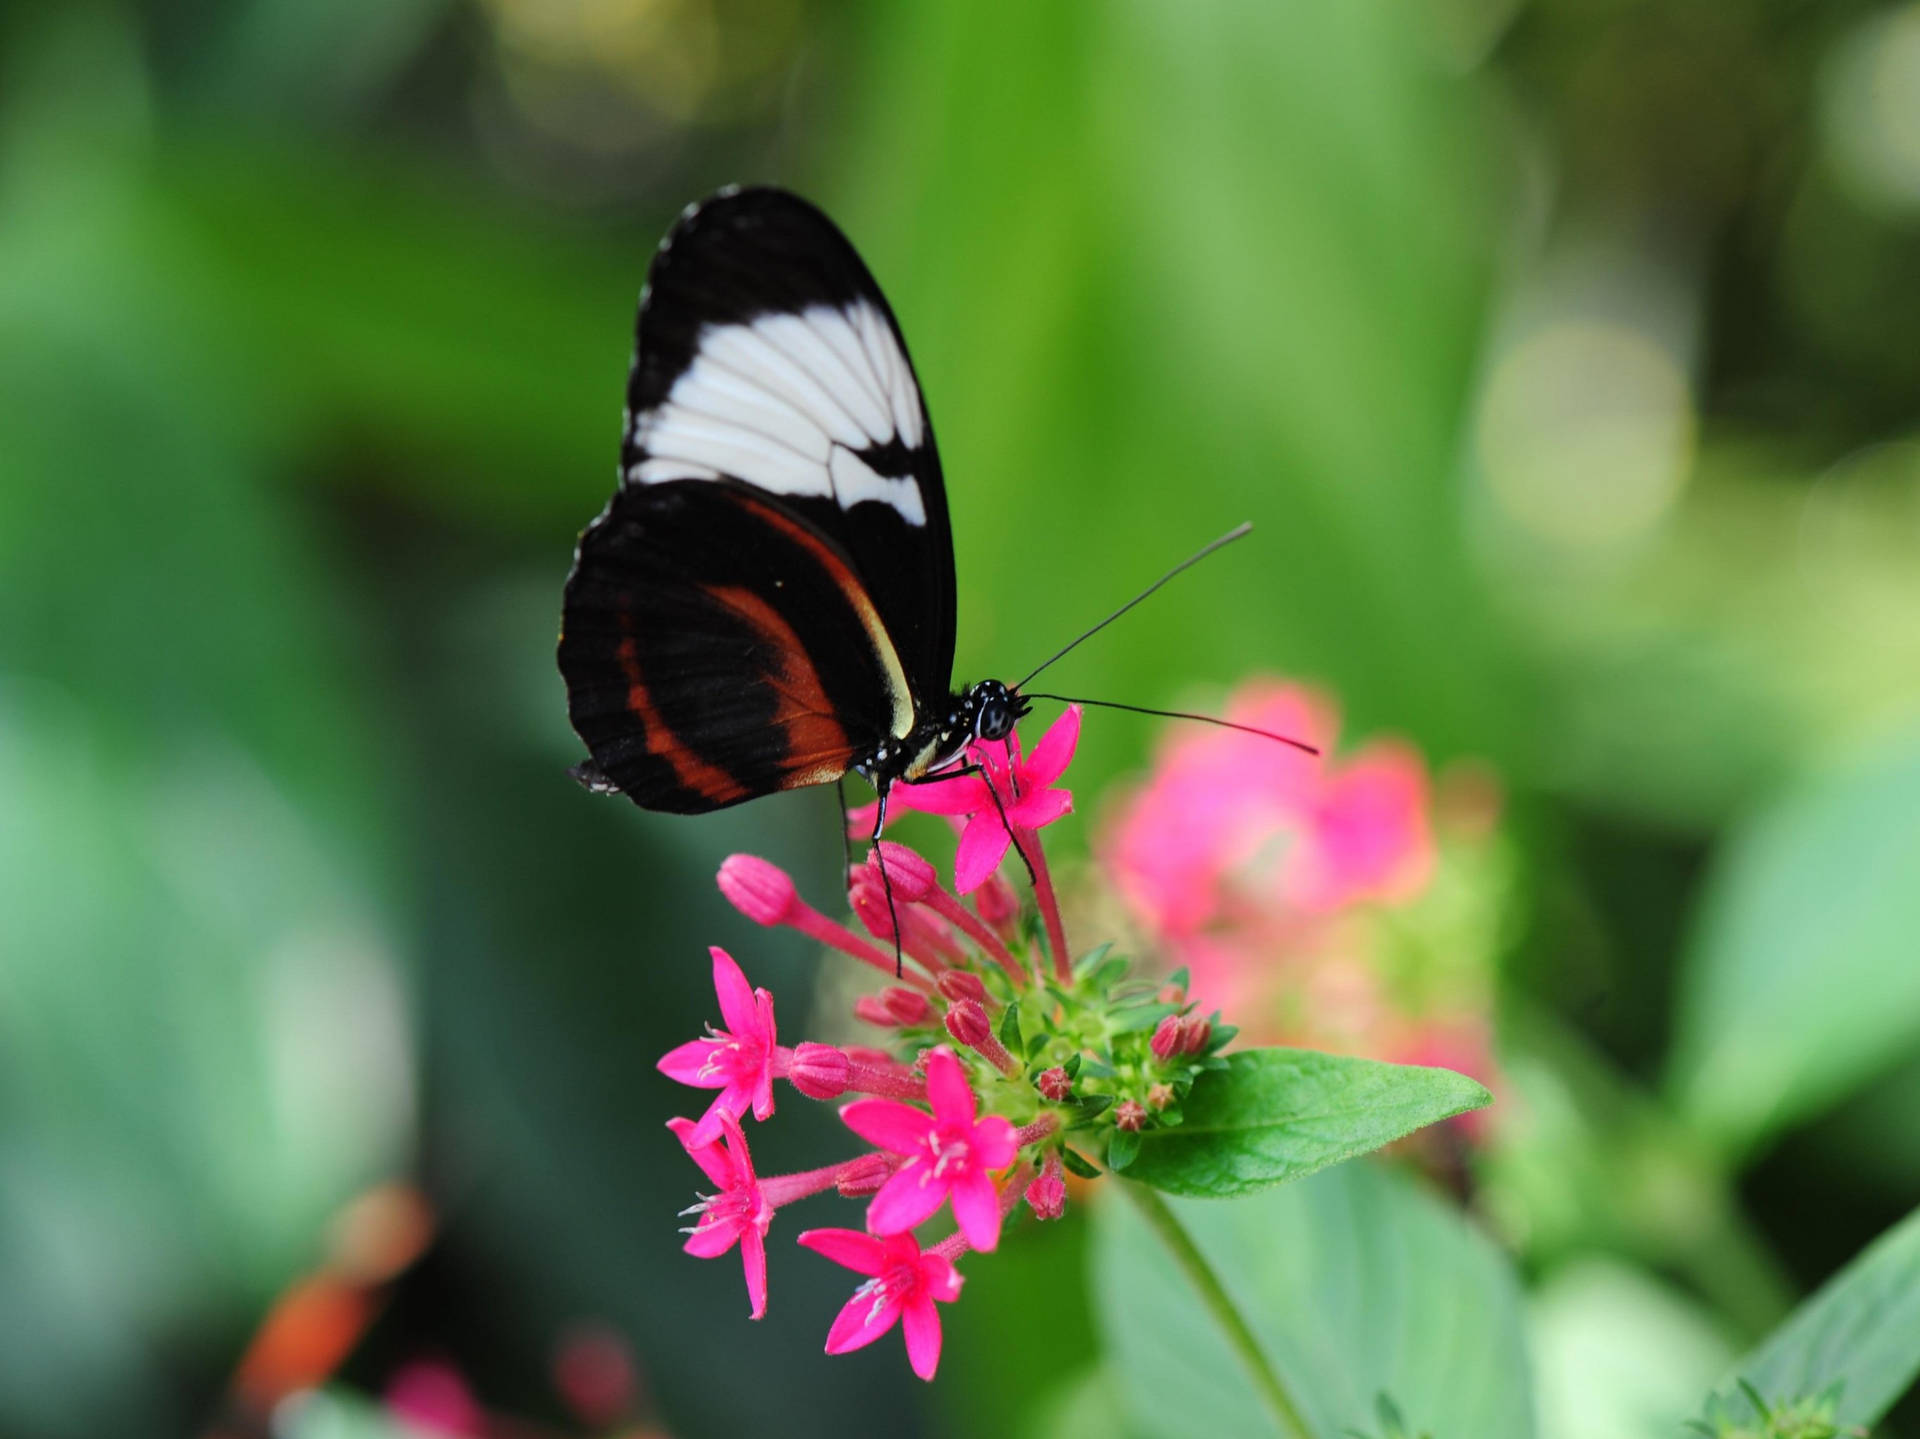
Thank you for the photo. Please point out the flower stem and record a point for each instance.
(1214, 1297)
(1049, 904)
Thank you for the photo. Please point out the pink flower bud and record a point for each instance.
(867, 1054)
(1172, 994)
(958, 984)
(1129, 1114)
(861, 1177)
(1054, 1084)
(911, 876)
(819, 1071)
(996, 903)
(1047, 1195)
(761, 891)
(869, 903)
(967, 1022)
(872, 1009)
(1194, 1034)
(907, 1006)
(1166, 1038)
(1159, 1096)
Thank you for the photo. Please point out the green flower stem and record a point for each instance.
(1266, 1381)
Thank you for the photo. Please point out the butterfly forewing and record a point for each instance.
(767, 353)
(769, 595)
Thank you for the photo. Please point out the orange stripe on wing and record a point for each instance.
(848, 583)
(693, 772)
(817, 745)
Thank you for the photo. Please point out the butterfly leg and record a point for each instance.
(886, 880)
(971, 768)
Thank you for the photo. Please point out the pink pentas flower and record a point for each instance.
(902, 1286)
(948, 1152)
(738, 1214)
(1023, 785)
(1230, 821)
(741, 1060)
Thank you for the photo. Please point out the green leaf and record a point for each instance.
(1274, 1115)
(1618, 1355)
(1010, 1030)
(1800, 982)
(1078, 1163)
(1139, 1017)
(1122, 1148)
(1092, 959)
(1861, 1331)
(1355, 1283)
(1088, 1108)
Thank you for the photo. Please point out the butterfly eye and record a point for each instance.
(996, 720)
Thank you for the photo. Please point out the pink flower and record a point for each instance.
(432, 1397)
(1231, 820)
(949, 1152)
(904, 1282)
(1023, 786)
(740, 1061)
(739, 1213)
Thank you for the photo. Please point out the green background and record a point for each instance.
(1561, 352)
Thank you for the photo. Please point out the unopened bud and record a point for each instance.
(867, 1054)
(818, 1071)
(958, 984)
(872, 1009)
(1129, 1114)
(863, 1176)
(1195, 1032)
(1047, 1195)
(1159, 1096)
(967, 1022)
(869, 902)
(760, 890)
(996, 903)
(1172, 994)
(911, 876)
(1166, 1038)
(1054, 1084)
(907, 1006)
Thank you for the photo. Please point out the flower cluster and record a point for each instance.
(1351, 903)
(1004, 1063)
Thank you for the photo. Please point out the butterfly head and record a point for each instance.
(989, 711)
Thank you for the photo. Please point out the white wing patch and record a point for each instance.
(787, 403)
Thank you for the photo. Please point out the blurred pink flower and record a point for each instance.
(430, 1396)
(1024, 788)
(903, 1286)
(949, 1152)
(1230, 820)
(738, 1214)
(741, 1061)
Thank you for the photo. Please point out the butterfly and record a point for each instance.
(767, 602)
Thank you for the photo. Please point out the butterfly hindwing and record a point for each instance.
(766, 354)
(717, 647)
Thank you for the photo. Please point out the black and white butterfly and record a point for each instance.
(768, 600)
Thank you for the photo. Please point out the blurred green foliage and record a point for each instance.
(1560, 351)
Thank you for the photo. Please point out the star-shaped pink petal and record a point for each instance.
(738, 1213)
(950, 1153)
(738, 1060)
(903, 1284)
(1022, 785)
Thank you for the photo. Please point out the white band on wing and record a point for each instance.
(788, 402)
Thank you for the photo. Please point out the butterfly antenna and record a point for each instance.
(1237, 532)
(1298, 744)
